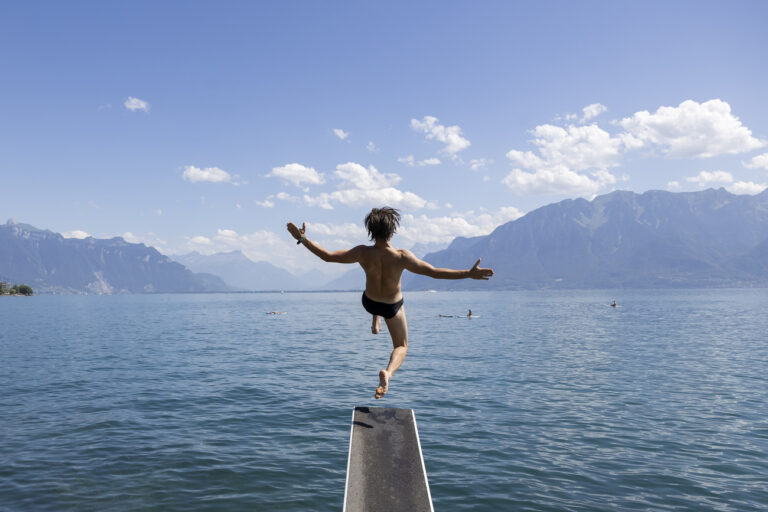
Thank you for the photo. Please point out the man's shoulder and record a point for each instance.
(362, 250)
(405, 253)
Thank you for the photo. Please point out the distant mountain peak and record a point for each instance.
(708, 238)
(237, 253)
(241, 272)
(49, 262)
(14, 224)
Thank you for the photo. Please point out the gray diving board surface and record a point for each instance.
(385, 470)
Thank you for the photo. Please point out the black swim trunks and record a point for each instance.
(381, 308)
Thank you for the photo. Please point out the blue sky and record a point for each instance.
(208, 125)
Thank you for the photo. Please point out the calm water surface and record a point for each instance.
(546, 401)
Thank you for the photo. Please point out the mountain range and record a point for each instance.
(50, 263)
(710, 238)
(241, 273)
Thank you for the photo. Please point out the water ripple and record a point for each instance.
(548, 401)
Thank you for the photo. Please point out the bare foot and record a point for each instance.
(376, 324)
(383, 384)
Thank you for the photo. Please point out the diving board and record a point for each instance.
(385, 469)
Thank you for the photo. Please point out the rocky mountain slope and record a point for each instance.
(710, 238)
(51, 263)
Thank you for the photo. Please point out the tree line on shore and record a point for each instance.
(16, 289)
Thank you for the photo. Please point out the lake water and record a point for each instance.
(545, 401)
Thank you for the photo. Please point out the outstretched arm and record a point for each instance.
(349, 256)
(418, 266)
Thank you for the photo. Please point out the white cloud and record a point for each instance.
(448, 135)
(746, 187)
(360, 197)
(673, 185)
(478, 163)
(150, 239)
(357, 176)
(758, 162)
(506, 214)
(422, 228)
(562, 153)
(263, 245)
(361, 186)
(707, 178)
(77, 233)
(714, 178)
(226, 234)
(130, 237)
(346, 231)
(593, 110)
(134, 104)
(323, 200)
(280, 248)
(340, 133)
(557, 180)
(209, 174)
(698, 130)
(371, 147)
(266, 203)
(410, 161)
(200, 240)
(297, 174)
(442, 229)
(577, 147)
(283, 196)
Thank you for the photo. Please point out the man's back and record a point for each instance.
(383, 266)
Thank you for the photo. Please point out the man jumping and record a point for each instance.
(383, 266)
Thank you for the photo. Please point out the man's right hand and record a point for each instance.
(294, 230)
(480, 273)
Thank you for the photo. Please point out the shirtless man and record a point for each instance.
(383, 266)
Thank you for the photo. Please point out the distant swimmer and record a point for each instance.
(614, 304)
(276, 312)
(384, 266)
(469, 314)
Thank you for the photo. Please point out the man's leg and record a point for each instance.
(376, 324)
(398, 330)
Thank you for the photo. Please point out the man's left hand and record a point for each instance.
(294, 230)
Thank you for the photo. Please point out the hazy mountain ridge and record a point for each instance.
(622, 239)
(243, 274)
(710, 238)
(51, 263)
(240, 272)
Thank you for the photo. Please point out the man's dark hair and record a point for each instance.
(382, 223)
